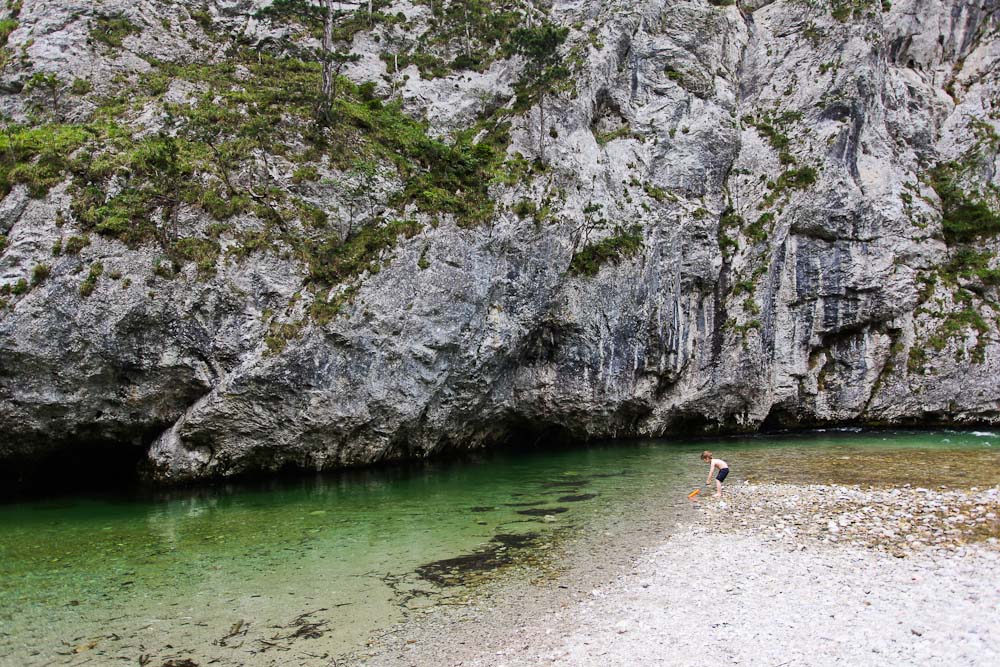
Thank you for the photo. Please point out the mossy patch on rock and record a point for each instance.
(964, 216)
(621, 244)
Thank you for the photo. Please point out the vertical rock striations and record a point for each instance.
(703, 215)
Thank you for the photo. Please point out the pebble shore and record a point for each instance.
(897, 520)
(768, 575)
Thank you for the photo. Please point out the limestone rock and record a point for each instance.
(776, 158)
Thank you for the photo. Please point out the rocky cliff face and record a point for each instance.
(697, 215)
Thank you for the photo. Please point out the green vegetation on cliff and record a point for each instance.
(111, 30)
(964, 217)
(339, 262)
(7, 26)
(963, 289)
(477, 30)
(38, 156)
(620, 244)
(238, 137)
(213, 155)
(776, 128)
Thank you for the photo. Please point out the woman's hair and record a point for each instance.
(706, 455)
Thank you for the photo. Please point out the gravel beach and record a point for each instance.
(769, 575)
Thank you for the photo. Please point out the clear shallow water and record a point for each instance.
(301, 569)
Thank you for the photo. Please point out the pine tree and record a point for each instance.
(333, 64)
(544, 65)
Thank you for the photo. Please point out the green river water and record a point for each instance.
(264, 574)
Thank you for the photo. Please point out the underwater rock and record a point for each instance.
(543, 511)
(504, 549)
(576, 499)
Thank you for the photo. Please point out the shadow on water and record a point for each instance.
(112, 471)
(116, 470)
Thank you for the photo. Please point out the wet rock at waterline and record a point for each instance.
(720, 216)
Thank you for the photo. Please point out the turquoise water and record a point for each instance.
(307, 568)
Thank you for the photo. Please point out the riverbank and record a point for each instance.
(770, 575)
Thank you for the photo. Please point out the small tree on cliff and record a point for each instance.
(333, 63)
(544, 66)
(46, 92)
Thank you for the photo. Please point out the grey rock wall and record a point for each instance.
(820, 312)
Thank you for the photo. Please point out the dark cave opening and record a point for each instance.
(779, 418)
(521, 433)
(99, 467)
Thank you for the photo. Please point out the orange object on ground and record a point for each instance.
(694, 493)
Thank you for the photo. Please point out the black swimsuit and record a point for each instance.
(722, 474)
